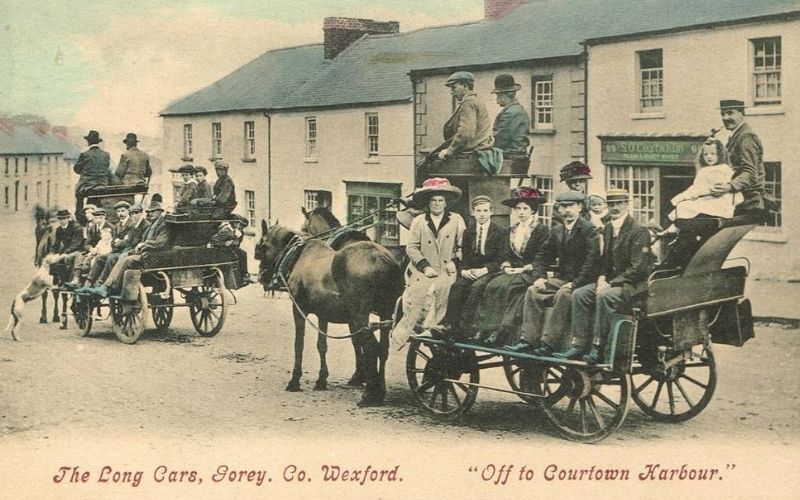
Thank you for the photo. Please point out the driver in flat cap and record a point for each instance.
(469, 127)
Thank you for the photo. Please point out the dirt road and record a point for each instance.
(65, 398)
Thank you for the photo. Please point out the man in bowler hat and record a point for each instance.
(512, 124)
(134, 164)
(92, 167)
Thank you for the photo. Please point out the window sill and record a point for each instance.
(539, 131)
(310, 160)
(187, 158)
(249, 160)
(647, 116)
(764, 110)
(219, 158)
(372, 160)
(766, 234)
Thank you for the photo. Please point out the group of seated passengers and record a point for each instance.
(99, 253)
(197, 197)
(492, 284)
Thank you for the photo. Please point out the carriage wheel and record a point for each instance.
(523, 377)
(584, 405)
(162, 316)
(82, 313)
(681, 391)
(436, 375)
(207, 309)
(130, 318)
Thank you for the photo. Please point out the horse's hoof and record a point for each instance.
(368, 401)
(56, 319)
(293, 387)
(321, 385)
(62, 327)
(42, 320)
(356, 380)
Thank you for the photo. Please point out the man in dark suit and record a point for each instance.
(625, 266)
(574, 244)
(92, 166)
(126, 241)
(482, 254)
(155, 238)
(745, 157)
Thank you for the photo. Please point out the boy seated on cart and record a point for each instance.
(229, 235)
(223, 199)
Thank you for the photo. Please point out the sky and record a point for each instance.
(110, 66)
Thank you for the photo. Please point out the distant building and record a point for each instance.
(37, 166)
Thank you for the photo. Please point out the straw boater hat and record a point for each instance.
(530, 195)
(617, 194)
(505, 83)
(731, 104)
(432, 186)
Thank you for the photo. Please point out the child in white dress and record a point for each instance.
(697, 199)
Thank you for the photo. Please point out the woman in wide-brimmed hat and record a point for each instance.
(500, 309)
(434, 247)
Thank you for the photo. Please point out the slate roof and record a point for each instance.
(266, 82)
(375, 68)
(23, 140)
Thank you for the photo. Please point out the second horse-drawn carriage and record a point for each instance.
(186, 274)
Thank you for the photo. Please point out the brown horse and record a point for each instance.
(338, 286)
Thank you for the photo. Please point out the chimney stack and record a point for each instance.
(495, 9)
(340, 32)
(60, 131)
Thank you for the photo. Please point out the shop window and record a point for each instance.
(378, 201)
(640, 182)
(544, 183)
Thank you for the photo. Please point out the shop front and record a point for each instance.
(651, 169)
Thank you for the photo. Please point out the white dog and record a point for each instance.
(42, 282)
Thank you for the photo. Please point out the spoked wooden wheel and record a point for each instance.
(523, 377)
(584, 404)
(82, 313)
(162, 311)
(436, 375)
(130, 318)
(679, 392)
(207, 309)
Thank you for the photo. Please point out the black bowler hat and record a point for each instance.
(130, 139)
(731, 104)
(93, 137)
(505, 83)
(62, 213)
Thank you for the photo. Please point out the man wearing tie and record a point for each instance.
(574, 245)
(482, 251)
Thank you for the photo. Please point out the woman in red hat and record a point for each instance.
(500, 310)
(434, 248)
